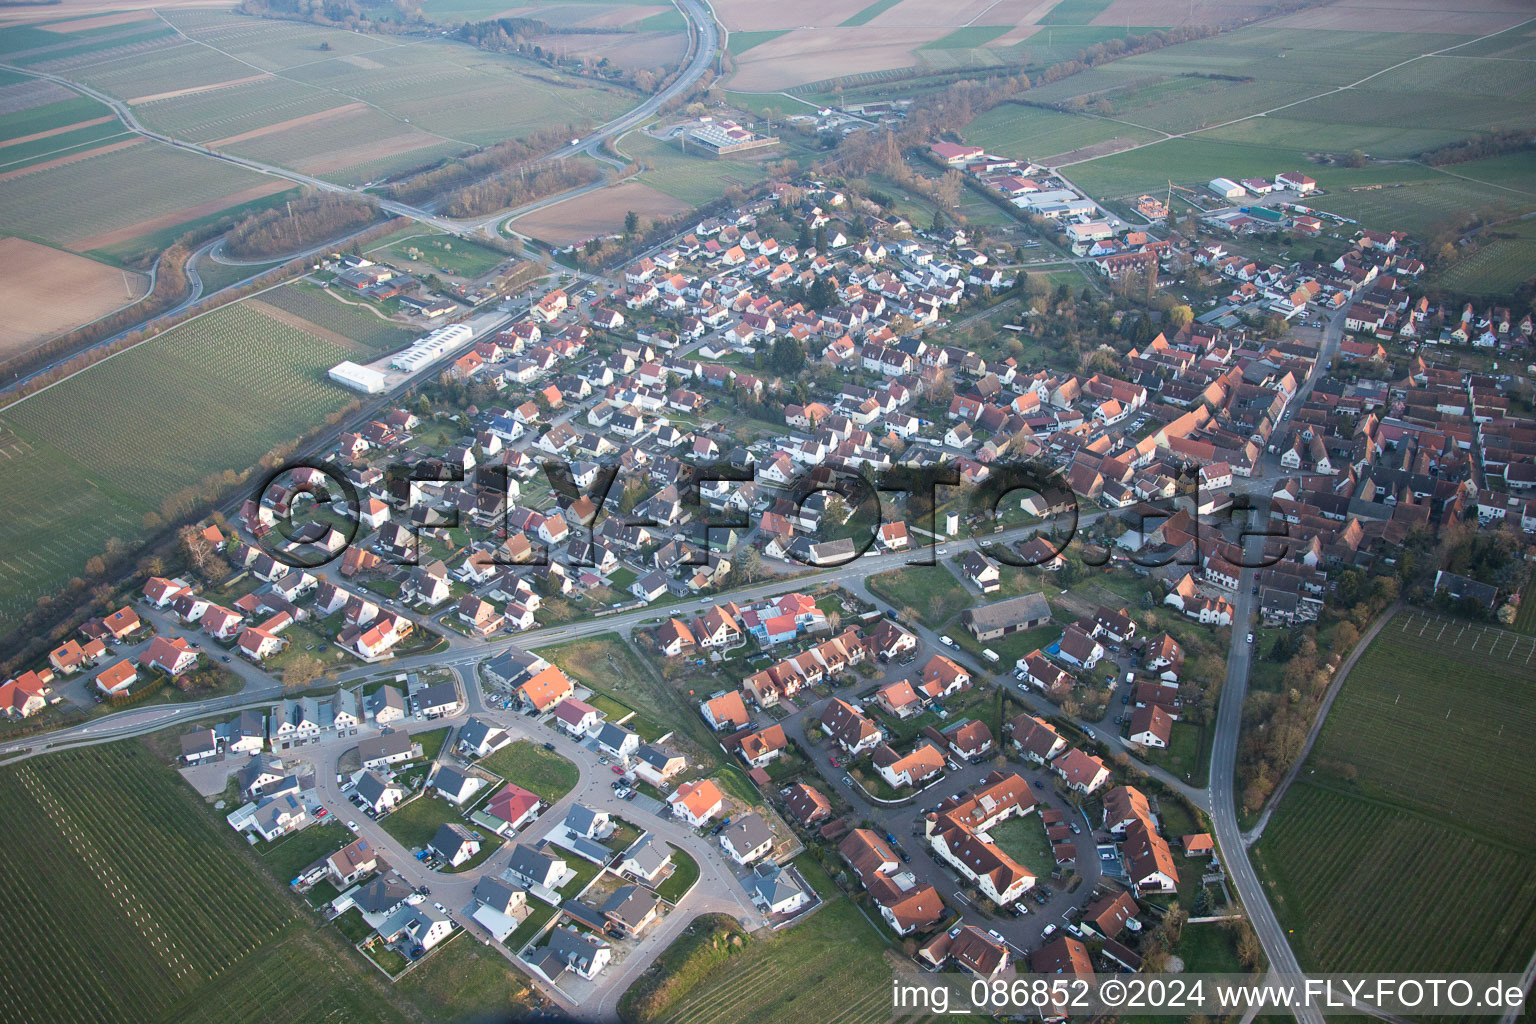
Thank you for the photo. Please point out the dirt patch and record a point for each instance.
(57, 131)
(1094, 151)
(152, 97)
(102, 21)
(292, 122)
(298, 323)
(597, 213)
(47, 291)
(22, 172)
(806, 55)
(379, 149)
(357, 60)
(190, 213)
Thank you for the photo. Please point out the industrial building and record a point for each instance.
(359, 378)
(722, 138)
(1227, 188)
(433, 347)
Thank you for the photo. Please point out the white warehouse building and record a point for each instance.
(359, 378)
(1226, 188)
(433, 347)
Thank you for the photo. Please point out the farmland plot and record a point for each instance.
(101, 193)
(1364, 887)
(121, 869)
(1404, 848)
(84, 461)
(213, 394)
(358, 323)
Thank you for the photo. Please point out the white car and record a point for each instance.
(947, 641)
(352, 825)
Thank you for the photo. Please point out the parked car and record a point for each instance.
(549, 746)
(352, 825)
(1250, 638)
(616, 769)
(947, 641)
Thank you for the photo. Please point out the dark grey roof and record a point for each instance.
(451, 836)
(438, 695)
(495, 893)
(372, 786)
(387, 743)
(630, 904)
(381, 895)
(1011, 612)
(748, 833)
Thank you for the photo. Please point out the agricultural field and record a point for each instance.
(694, 180)
(84, 290)
(1363, 886)
(1193, 112)
(1455, 688)
(209, 397)
(1500, 266)
(1012, 129)
(121, 868)
(358, 322)
(542, 772)
(1433, 710)
(71, 206)
(831, 966)
(597, 213)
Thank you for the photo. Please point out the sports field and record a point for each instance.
(84, 461)
(1403, 844)
(121, 868)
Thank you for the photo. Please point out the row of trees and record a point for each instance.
(522, 185)
(298, 224)
(461, 171)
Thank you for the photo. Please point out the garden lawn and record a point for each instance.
(543, 773)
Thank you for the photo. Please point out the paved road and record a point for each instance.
(1229, 720)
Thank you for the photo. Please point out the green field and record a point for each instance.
(1214, 89)
(829, 967)
(969, 37)
(1413, 805)
(1455, 688)
(1363, 886)
(457, 256)
(1073, 12)
(91, 455)
(741, 42)
(693, 179)
(121, 867)
(48, 116)
(542, 772)
(868, 14)
(1012, 129)
(932, 592)
(355, 321)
